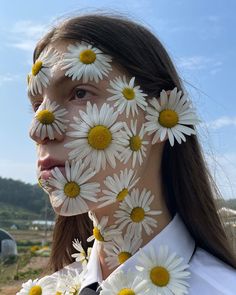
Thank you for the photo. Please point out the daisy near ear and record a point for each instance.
(127, 96)
(119, 187)
(121, 249)
(171, 116)
(48, 119)
(124, 283)
(135, 213)
(41, 71)
(81, 256)
(71, 191)
(164, 272)
(133, 144)
(85, 61)
(102, 232)
(46, 285)
(96, 136)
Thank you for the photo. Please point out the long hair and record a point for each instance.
(189, 188)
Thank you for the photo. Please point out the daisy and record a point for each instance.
(164, 272)
(133, 144)
(41, 71)
(135, 212)
(97, 137)
(127, 96)
(119, 187)
(81, 255)
(69, 283)
(44, 286)
(102, 232)
(123, 283)
(72, 190)
(121, 249)
(171, 116)
(48, 119)
(85, 61)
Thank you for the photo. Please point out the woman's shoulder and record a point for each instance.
(210, 274)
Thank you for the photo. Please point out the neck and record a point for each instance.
(151, 180)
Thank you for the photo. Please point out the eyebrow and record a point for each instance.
(61, 81)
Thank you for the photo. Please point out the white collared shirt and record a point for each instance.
(209, 275)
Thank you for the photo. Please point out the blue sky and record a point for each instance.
(199, 36)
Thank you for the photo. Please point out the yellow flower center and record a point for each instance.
(126, 291)
(97, 234)
(128, 93)
(37, 67)
(58, 293)
(168, 118)
(123, 256)
(75, 290)
(137, 214)
(122, 194)
(35, 290)
(87, 56)
(159, 276)
(71, 189)
(45, 117)
(135, 143)
(99, 137)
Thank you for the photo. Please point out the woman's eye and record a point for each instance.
(80, 94)
(36, 106)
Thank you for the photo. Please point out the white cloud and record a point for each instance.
(199, 63)
(24, 34)
(8, 78)
(221, 122)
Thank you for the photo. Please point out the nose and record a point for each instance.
(48, 123)
(44, 140)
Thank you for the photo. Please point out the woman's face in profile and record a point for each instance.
(80, 109)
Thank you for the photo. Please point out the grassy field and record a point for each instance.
(28, 265)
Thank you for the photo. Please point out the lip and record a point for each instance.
(46, 166)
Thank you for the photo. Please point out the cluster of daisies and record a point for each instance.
(157, 272)
(98, 139)
(170, 116)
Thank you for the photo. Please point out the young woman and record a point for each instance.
(116, 138)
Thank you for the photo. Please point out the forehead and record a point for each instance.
(59, 80)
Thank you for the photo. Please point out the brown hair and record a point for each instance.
(188, 186)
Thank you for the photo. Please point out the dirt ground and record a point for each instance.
(12, 287)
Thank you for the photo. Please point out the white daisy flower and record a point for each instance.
(48, 119)
(121, 249)
(102, 232)
(69, 283)
(85, 61)
(81, 256)
(41, 71)
(119, 187)
(44, 286)
(171, 116)
(127, 96)
(136, 213)
(133, 144)
(124, 283)
(97, 137)
(72, 190)
(164, 272)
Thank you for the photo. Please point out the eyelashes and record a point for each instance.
(82, 94)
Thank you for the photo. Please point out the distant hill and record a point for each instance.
(22, 201)
(19, 200)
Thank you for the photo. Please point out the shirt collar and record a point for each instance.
(175, 235)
